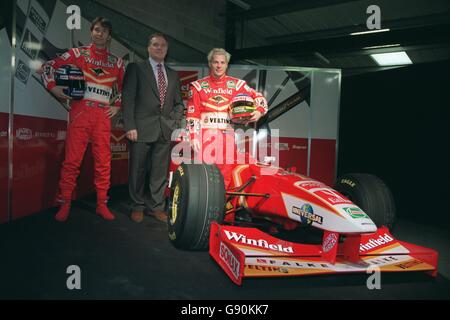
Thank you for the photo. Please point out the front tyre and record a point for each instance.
(197, 198)
(371, 194)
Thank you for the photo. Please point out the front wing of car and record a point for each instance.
(249, 252)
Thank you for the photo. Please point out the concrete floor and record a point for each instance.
(123, 260)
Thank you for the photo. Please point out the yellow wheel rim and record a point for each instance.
(176, 194)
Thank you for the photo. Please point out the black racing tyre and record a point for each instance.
(371, 194)
(197, 198)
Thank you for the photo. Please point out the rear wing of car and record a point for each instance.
(249, 252)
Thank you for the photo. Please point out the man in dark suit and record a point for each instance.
(152, 109)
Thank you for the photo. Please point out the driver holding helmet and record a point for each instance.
(89, 117)
(209, 109)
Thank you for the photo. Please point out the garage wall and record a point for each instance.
(196, 23)
(395, 124)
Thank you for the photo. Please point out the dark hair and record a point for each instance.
(157, 34)
(105, 23)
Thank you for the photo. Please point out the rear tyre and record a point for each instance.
(197, 198)
(371, 194)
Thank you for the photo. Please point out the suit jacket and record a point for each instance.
(141, 104)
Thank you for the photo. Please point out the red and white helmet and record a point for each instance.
(241, 107)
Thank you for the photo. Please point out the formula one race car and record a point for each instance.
(248, 226)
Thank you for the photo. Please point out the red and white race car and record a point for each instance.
(249, 227)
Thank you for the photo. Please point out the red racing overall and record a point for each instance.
(208, 117)
(88, 121)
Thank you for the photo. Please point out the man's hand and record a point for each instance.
(255, 116)
(195, 145)
(59, 93)
(132, 135)
(112, 111)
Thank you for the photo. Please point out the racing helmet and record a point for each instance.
(72, 77)
(241, 108)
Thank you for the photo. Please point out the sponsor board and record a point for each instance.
(22, 72)
(61, 135)
(30, 44)
(24, 134)
(37, 20)
(38, 134)
(119, 151)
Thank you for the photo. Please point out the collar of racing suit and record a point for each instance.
(101, 52)
(217, 80)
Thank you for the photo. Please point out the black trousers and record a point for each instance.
(150, 158)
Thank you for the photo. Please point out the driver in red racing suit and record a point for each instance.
(208, 118)
(89, 118)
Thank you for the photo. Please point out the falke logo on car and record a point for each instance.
(355, 212)
(230, 260)
(329, 242)
(24, 134)
(374, 243)
(258, 243)
(289, 263)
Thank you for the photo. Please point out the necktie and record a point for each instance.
(162, 87)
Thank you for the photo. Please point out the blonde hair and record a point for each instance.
(219, 51)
